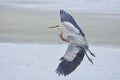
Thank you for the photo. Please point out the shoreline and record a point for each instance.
(27, 26)
(61, 43)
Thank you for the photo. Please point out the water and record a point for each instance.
(84, 5)
(21, 23)
(38, 62)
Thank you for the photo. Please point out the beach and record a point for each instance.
(28, 26)
(29, 50)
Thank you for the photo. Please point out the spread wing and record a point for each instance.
(73, 57)
(65, 17)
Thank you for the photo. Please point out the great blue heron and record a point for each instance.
(77, 45)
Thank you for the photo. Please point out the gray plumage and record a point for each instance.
(77, 45)
(65, 17)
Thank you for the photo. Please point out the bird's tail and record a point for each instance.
(66, 67)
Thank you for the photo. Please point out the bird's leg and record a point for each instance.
(89, 58)
(61, 35)
(91, 53)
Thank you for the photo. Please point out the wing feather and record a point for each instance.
(66, 67)
(76, 47)
(71, 51)
(65, 17)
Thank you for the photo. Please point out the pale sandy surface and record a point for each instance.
(30, 26)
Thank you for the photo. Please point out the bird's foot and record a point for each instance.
(89, 58)
(92, 53)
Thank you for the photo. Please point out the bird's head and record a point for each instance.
(54, 27)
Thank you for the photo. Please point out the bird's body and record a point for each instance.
(77, 45)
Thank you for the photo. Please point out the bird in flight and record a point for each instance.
(77, 45)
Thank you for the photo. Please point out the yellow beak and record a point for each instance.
(54, 26)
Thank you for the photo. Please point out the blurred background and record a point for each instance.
(27, 21)
(29, 50)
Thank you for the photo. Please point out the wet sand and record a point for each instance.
(31, 26)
